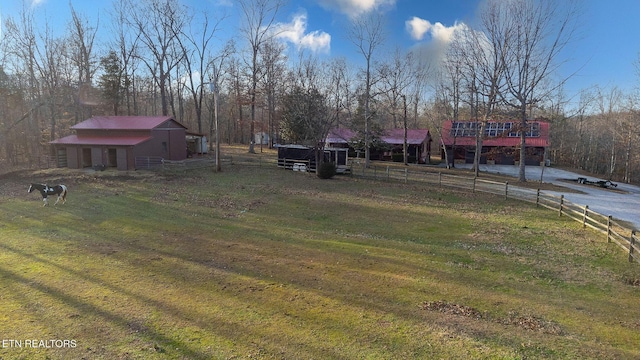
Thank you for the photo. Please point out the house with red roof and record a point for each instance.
(119, 141)
(500, 144)
(418, 143)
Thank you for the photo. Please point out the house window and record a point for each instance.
(491, 130)
(164, 146)
(464, 128)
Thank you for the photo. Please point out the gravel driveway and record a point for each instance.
(623, 204)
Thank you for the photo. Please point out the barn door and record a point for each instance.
(61, 157)
(121, 159)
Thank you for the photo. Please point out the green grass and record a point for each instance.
(258, 262)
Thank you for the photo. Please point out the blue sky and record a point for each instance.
(603, 54)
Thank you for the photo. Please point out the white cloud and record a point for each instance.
(418, 28)
(36, 3)
(355, 8)
(433, 39)
(294, 32)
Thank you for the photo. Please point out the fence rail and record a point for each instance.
(148, 162)
(614, 230)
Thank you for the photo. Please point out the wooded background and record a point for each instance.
(157, 62)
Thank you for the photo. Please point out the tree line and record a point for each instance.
(163, 57)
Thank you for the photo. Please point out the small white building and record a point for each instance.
(261, 138)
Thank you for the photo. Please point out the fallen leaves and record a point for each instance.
(513, 318)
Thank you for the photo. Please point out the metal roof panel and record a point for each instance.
(101, 140)
(540, 141)
(123, 122)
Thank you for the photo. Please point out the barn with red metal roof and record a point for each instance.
(118, 141)
(418, 143)
(500, 142)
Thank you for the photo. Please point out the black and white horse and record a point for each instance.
(46, 190)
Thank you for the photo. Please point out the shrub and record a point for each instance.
(326, 170)
(397, 157)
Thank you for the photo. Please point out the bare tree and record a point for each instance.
(273, 62)
(257, 28)
(196, 48)
(52, 71)
(160, 23)
(83, 36)
(236, 86)
(482, 54)
(539, 31)
(216, 68)
(367, 34)
(630, 134)
(395, 78)
(609, 106)
(126, 41)
(339, 93)
(422, 70)
(21, 43)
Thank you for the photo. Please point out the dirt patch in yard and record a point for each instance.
(513, 318)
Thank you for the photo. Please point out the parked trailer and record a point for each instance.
(292, 157)
(600, 183)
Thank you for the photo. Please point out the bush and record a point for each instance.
(326, 170)
(397, 157)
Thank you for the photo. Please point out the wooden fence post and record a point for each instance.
(506, 190)
(609, 218)
(632, 243)
(474, 184)
(388, 176)
(584, 216)
(561, 205)
(406, 175)
(538, 198)
(440, 179)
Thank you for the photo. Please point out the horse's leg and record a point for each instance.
(56, 203)
(63, 194)
(45, 201)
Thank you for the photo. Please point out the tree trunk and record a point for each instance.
(523, 138)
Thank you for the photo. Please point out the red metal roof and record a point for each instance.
(340, 136)
(101, 140)
(396, 136)
(393, 136)
(124, 122)
(539, 141)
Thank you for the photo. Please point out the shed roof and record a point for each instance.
(504, 141)
(124, 122)
(340, 136)
(414, 136)
(392, 136)
(101, 140)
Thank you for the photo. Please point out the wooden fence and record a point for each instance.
(623, 236)
(186, 165)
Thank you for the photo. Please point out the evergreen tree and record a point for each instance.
(305, 117)
(111, 80)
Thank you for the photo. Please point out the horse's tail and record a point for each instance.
(64, 193)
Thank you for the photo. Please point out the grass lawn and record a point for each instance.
(263, 263)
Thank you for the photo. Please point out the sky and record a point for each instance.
(602, 54)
